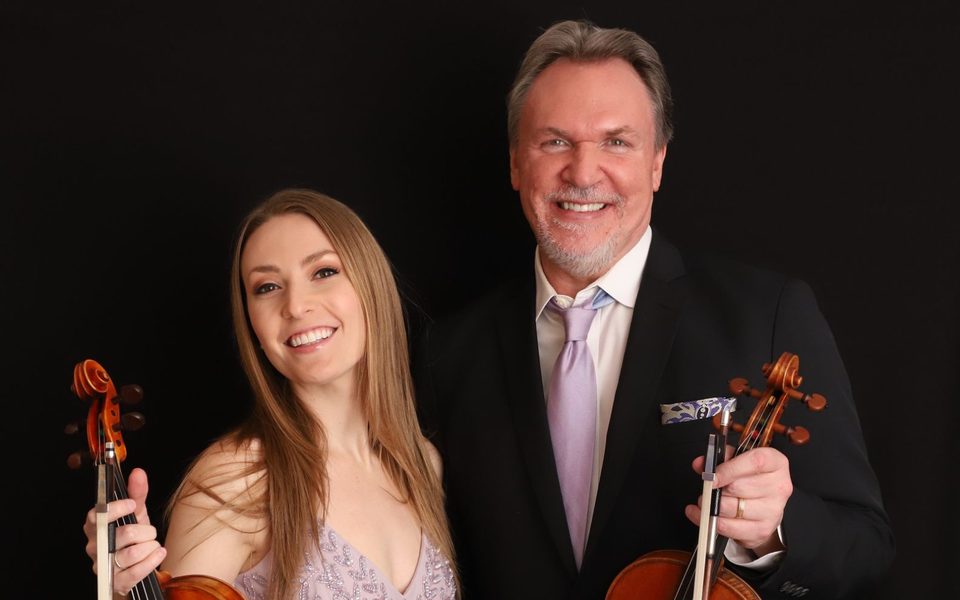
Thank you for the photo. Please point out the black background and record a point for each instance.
(817, 140)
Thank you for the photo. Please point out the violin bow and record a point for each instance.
(705, 571)
(106, 531)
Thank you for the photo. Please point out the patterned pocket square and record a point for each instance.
(681, 412)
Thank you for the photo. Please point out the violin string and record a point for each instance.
(117, 476)
(102, 459)
(101, 442)
(148, 587)
(119, 494)
(685, 589)
(749, 441)
(751, 438)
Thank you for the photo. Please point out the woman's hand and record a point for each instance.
(137, 550)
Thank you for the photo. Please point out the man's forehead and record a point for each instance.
(566, 81)
(596, 97)
(614, 69)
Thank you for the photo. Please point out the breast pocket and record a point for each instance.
(689, 433)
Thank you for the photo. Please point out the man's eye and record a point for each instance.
(325, 272)
(554, 143)
(265, 288)
(617, 145)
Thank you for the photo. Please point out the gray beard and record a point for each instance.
(580, 265)
(587, 264)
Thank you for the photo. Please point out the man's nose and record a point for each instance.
(583, 170)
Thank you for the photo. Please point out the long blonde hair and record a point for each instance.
(287, 432)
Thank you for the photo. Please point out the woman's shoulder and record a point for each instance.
(228, 469)
(218, 524)
(231, 450)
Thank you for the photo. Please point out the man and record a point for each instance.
(545, 397)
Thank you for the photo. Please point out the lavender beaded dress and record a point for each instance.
(339, 572)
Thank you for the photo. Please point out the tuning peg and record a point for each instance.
(741, 387)
(815, 402)
(738, 385)
(131, 394)
(798, 436)
(78, 460)
(133, 421)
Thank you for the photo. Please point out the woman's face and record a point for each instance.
(303, 309)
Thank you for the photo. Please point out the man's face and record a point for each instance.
(586, 165)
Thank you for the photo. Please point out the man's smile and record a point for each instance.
(578, 207)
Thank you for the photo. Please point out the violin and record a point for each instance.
(670, 574)
(104, 431)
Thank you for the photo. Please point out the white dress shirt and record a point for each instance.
(607, 341)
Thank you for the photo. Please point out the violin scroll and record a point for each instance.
(783, 379)
(103, 423)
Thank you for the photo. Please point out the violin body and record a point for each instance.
(657, 576)
(196, 587)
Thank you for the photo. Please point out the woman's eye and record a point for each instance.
(325, 272)
(265, 288)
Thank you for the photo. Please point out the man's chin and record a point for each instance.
(583, 264)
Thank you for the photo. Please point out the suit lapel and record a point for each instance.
(652, 330)
(521, 364)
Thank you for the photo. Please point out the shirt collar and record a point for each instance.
(621, 281)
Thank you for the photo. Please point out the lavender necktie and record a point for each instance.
(572, 414)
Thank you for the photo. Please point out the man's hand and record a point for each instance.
(138, 551)
(757, 483)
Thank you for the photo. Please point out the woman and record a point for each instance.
(329, 489)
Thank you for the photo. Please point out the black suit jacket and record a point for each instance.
(696, 324)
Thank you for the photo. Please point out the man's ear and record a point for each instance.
(514, 171)
(657, 173)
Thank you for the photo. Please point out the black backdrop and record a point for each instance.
(819, 141)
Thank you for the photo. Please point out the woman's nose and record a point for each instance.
(297, 302)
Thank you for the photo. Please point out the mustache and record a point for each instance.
(572, 193)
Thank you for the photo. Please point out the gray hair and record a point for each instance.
(583, 41)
